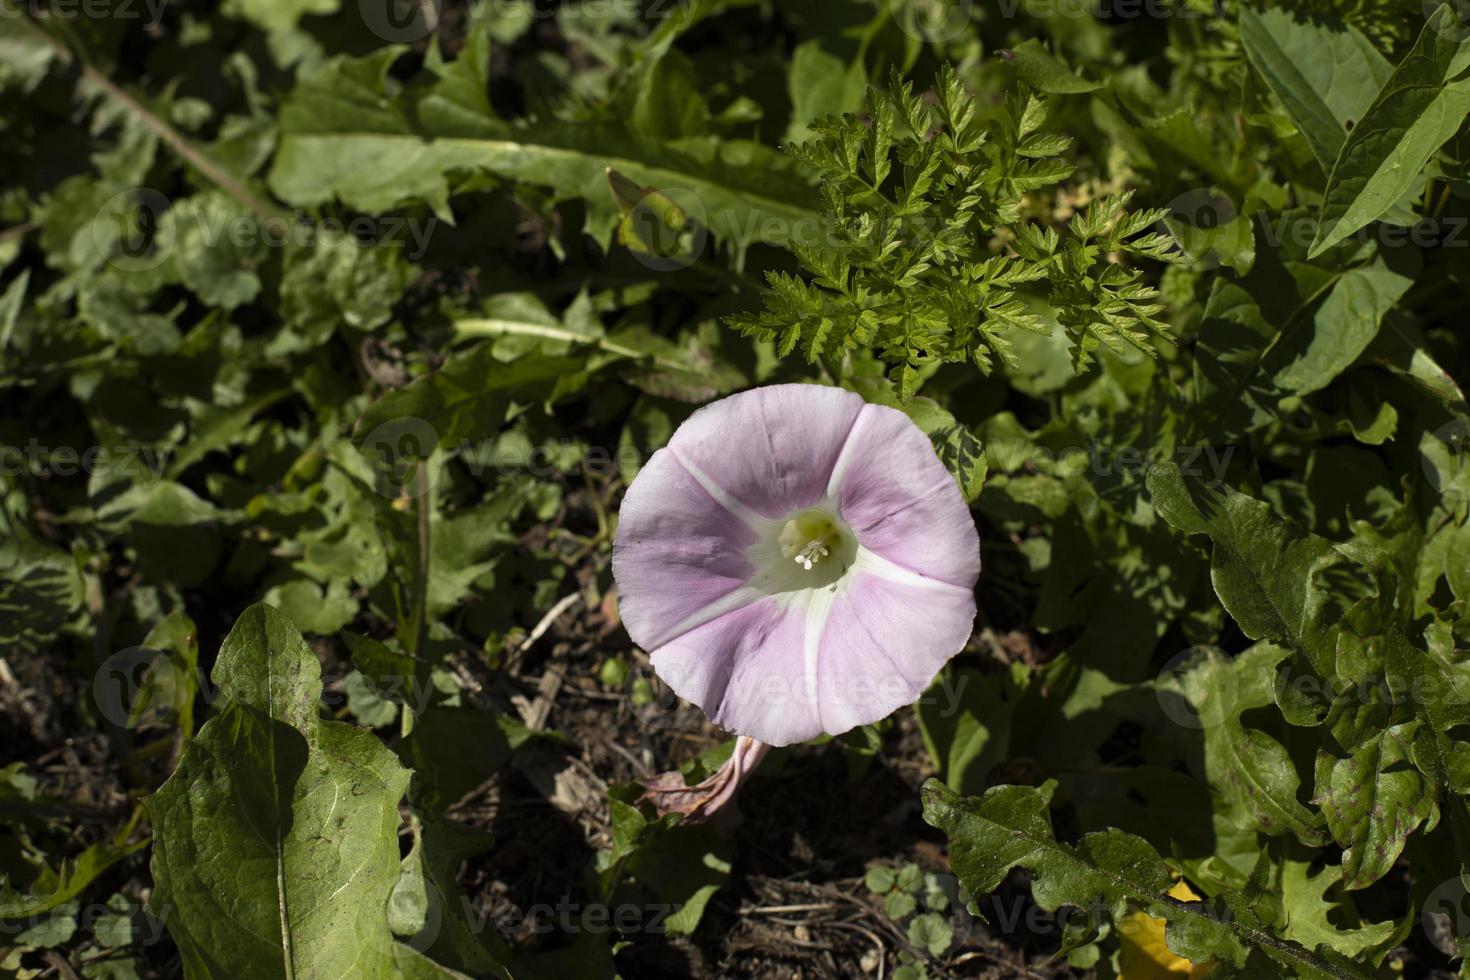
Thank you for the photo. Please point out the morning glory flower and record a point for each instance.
(797, 562)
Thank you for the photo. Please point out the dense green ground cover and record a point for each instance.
(331, 333)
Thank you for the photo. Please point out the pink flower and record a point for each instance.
(796, 561)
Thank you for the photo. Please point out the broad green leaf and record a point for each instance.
(346, 135)
(1342, 327)
(821, 84)
(1325, 74)
(1288, 329)
(276, 839)
(663, 101)
(1317, 916)
(1249, 768)
(1421, 106)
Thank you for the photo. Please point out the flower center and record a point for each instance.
(810, 537)
(812, 549)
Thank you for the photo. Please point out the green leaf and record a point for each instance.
(276, 839)
(1288, 328)
(1421, 106)
(1279, 582)
(1325, 74)
(880, 879)
(1314, 910)
(1041, 70)
(466, 398)
(41, 589)
(1342, 327)
(899, 905)
(428, 909)
(1371, 793)
(932, 933)
(346, 136)
(54, 887)
(1249, 768)
(1010, 826)
(821, 84)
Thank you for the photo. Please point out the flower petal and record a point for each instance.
(746, 669)
(901, 501)
(785, 671)
(883, 642)
(678, 552)
(771, 449)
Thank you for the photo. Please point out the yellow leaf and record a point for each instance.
(1145, 955)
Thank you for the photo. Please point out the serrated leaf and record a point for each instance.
(1280, 582)
(1010, 826)
(1249, 768)
(344, 136)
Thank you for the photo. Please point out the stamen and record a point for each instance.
(814, 552)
